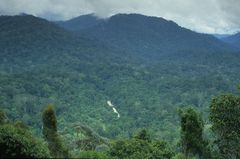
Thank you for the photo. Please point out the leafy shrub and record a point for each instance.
(19, 142)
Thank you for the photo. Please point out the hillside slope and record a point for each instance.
(233, 40)
(80, 23)
(149, 36)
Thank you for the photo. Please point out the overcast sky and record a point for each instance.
(208, 16)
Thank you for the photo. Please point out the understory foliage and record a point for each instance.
(140, 146)
(17, 141)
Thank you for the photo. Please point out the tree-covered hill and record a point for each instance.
(80, 23)
(27, 32)
(233, 40)
(37, 41)
(42, 63)
(148, 36)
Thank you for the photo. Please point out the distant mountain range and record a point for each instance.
(149, 36)
(220, 36)
(80, 23)
(234, 40)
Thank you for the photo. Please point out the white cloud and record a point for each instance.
(210, 16)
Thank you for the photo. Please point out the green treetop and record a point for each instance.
(225, 118)
(55, 144)
(191, 132)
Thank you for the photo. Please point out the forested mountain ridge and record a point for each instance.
(38, 41)
(27, 30)
(149, 36)
(19, 30)
(80, 23)
(42, 63)
(233, 40)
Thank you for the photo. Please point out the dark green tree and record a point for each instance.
(49, 122)
(140, 146)
(143, 134)
(51, 135)
(191, 132)
(225, 118)
(18, 142)
(3, 117)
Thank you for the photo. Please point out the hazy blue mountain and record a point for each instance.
(233, 40)
(150, 36)
(80, 23)
(220, 36)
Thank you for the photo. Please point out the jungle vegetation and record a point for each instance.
(168, 83)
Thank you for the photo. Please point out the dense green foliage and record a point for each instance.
(3, 117)
(93, 155)
(191, 132)
(140, 147)
(225, 118)
(50, 133)
(146, 75)
(49, 121)
(18, 142)
(192, 138)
